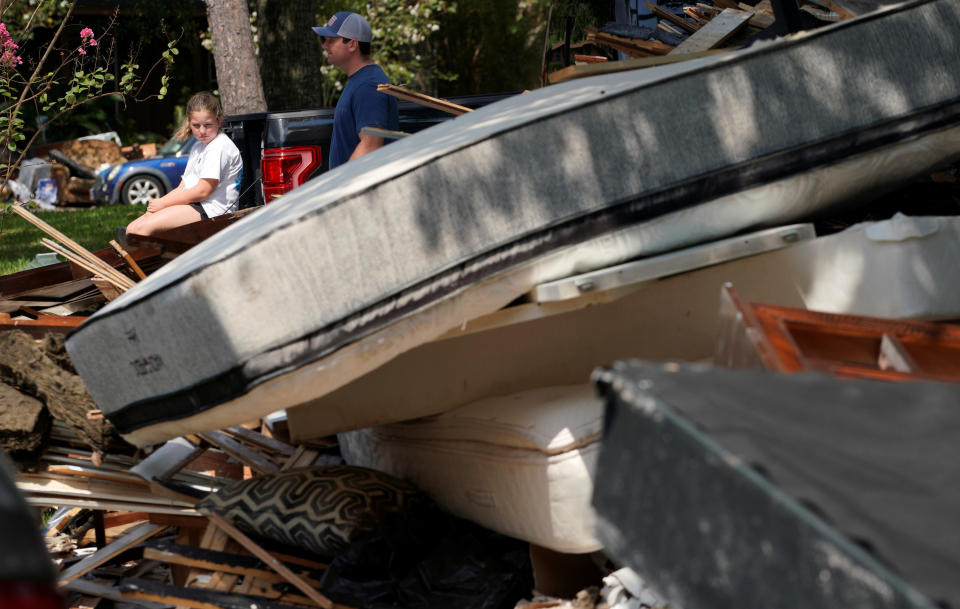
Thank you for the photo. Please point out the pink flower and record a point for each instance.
(9, 58)
(86, 40)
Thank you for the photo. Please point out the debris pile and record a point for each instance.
(687, 30)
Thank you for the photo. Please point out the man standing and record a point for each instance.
(346, 41)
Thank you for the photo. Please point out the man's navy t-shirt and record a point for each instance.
(361, 105)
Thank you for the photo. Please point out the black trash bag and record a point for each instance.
(431, 560)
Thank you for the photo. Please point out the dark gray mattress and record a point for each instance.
(751, 489)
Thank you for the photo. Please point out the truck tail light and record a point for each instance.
(284, 169)
(30, 595)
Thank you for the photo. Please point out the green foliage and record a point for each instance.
(83, 74)
(491, 46)
(24, 17)
(403, 41)
(93, 228)
(462, 47)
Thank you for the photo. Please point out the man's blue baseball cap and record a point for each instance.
(346, 25)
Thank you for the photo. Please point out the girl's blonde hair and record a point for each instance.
(200, 101)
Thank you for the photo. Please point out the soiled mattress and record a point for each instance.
(521, 464)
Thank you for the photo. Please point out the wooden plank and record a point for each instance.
(272, 562)
(834, 6)
(216, 539)
(387, 134)
(196, 598)
(212, 560)
(115, 519)
(109, 291)
(72, 247)
(196, 520)
(239, 452)
(253, 437)
(715, 33)
(86, 488)
(761, 20)
(676, 20)
(101, 556)
(91, 472)
(694, 14)
(54, 528)
(574, 72)
(304, 457)
(38, 328)
(128, 258)
(104, 590)
(99, 504)
(590, 58)
(630, 46)
(423, 100)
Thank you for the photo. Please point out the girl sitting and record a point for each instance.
(210, 182)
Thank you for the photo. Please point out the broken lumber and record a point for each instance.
(103, 590)
(101, 504)
(573, 72)
(629, 46)
(128, 258)
(121, 282)
(387, 134)
(424, 100)
(717, 31)
(239, 452)
(108, 272)
(272, 562)
(258, 439)
(51, 486)
(196, 598)
(213, 560)
(38, 328)
(101, 556)
(666, 15)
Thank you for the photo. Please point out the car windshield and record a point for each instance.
(172, 146)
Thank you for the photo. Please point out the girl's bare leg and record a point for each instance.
(165, 219)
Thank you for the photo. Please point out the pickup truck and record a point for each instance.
(282, 150)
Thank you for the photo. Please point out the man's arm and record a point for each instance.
(368, 143)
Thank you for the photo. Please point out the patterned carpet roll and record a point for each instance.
(318, 509)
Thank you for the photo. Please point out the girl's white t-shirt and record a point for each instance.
(219, 160)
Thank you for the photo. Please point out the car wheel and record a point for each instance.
(141, 189)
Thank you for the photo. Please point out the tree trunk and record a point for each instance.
(290, 53)
(238, 77)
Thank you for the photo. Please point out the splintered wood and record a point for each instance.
(424, 100)
(700, 27)
(717, 31)
(211, 562)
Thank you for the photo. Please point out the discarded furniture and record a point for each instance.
(520, 464)
(655, 308)
(787, 339)
(398, 247)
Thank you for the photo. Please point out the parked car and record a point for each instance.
(143, 180)
(27, 577)
(282, 150)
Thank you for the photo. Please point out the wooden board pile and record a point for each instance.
(125, 528)
(58, 297)
(700, 29)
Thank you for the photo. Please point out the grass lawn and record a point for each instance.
(91, 227)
